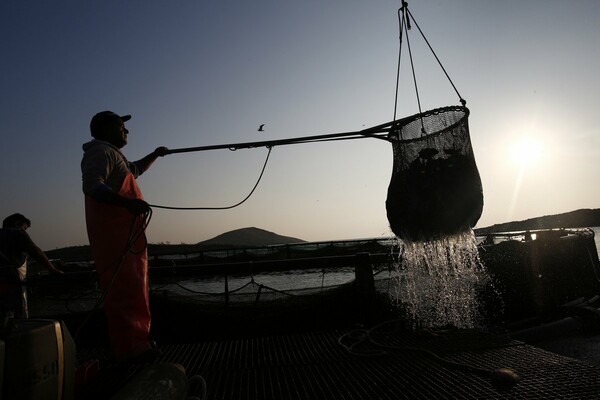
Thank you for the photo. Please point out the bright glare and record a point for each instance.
(527, 151)
(526, 154)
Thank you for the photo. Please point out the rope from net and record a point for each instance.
(404, 21)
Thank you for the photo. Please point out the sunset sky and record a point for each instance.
(196, 73)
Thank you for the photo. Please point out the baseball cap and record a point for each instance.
(104, 119)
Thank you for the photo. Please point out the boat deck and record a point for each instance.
(385, 362)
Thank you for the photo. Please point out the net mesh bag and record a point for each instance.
(435, 189)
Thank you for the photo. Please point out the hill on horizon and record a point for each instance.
(582, 218)
(256, 237)
(248, 237)
(244, 237)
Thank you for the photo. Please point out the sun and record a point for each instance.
(527, 151)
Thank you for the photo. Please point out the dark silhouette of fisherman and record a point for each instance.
(114, 209)
(15, 247)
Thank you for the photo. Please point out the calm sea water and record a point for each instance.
(286, 280)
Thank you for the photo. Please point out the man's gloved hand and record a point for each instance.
(137, 206)
(161, 151)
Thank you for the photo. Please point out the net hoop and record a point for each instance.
(439, 120)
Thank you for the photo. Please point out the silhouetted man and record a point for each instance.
(115, 218)
(15, 246)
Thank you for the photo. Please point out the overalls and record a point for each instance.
(122, 267)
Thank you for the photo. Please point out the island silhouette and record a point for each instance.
(256, 237)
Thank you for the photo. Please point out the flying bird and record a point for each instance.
(260, 128)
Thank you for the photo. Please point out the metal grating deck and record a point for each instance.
(315, 366)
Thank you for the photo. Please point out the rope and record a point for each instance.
(404, 23)
(412, 65)
(374, 132)
(277, 290)
(366, 133)
(227, 207)
(502, 378)
(250, 282)
(462, 101)
(404, 18)
(400, 20)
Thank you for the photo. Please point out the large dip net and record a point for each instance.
(435, 188)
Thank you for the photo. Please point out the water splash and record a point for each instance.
(439, 280)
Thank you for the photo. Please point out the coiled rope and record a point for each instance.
(501, 378)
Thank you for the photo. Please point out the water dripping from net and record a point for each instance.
(438, 282)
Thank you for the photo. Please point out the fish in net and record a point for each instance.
(435, 189)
